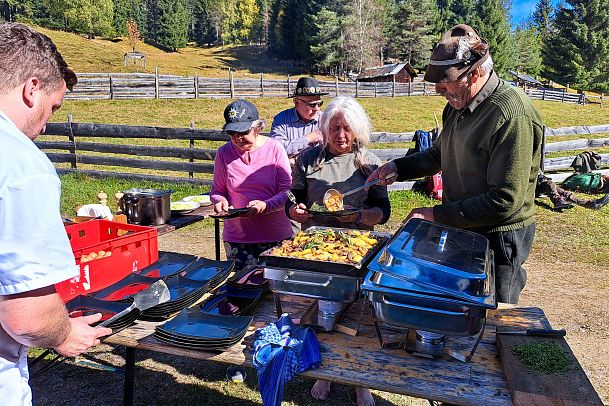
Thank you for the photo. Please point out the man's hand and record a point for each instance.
(257, 207)
(383, 173)
(82, 336)
(299, 213)
(425, 213)
(315, 137)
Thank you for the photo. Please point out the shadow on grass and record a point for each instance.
(257, 60)
(163, 379)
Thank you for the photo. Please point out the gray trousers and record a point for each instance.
(511, 249)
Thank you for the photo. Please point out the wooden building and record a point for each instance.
(525, 81)
(400, 72)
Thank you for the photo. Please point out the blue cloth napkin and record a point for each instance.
(281, 351)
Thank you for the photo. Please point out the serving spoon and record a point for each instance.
(333, 194)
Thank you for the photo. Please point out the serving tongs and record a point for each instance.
(333, 194)
(153, 295)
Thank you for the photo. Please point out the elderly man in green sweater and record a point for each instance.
(489, 152)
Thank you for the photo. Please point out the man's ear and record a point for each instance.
(475, 74)
(31, 87)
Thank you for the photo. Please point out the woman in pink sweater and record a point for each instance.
(251, 170)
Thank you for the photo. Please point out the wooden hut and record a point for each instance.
(398, 72)
(525, 81)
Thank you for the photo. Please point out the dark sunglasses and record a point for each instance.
(237, 133)
(313, 104)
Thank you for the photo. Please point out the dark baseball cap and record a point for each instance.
(239, 116)
(459, 51)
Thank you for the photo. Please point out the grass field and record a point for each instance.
(102, 55)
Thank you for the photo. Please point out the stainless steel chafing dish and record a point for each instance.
(434, 278)
(324, 280)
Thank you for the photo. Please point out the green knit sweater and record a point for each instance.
(489, 155)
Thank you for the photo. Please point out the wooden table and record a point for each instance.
(360, 361)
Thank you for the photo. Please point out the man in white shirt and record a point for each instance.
(34, 249)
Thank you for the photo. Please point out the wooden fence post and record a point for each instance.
(191, 145)
(288, 85)
(196, 86)
(156, 83)
(111, 89)
(336, 85)
(602, 97)
(356, 89)
(261, 85)
(425, 88)
(73, 141)
(563, 95)
(393, 86)
(543, 94)
(582, 98)
(375, 85)
(231, 83)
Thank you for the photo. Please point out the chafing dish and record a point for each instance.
(434, 278)
(325, 280)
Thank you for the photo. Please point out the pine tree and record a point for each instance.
(445, 16)
(125, 10)
(206, 21)
(542, 16)
(91, 17)
(168, 22)
(363, 35)
(462, 12)
(328, 45)
(414, 37)
(576, 50)
(492, 25)
(16, 10)
(528, 44)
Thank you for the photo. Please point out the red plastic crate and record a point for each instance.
(132, 247)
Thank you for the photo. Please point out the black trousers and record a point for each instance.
(511, 249)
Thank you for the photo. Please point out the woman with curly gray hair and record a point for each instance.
(341, 162)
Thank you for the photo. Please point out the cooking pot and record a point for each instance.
(148, 207)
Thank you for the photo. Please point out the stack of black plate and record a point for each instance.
(195, 330)
(208, 270)
(250, 277)
(169, 263)
(184, 292)
(231, 300)
(122, 290)
(85, 306)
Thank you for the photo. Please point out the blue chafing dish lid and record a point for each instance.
(440, 258)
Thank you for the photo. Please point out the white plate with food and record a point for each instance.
(203, 200)
(183, 207)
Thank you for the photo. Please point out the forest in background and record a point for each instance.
(568, 44)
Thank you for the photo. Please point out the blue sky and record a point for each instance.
(522, 8)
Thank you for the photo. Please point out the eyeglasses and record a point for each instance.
(312, 104)
(238, 134)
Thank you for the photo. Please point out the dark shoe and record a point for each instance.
(600, 202)
(561, 203)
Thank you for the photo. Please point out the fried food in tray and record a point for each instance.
(344, 246)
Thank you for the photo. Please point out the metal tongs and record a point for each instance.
(333, 194)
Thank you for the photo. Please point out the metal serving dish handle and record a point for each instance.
(289, 279)
(423, 309)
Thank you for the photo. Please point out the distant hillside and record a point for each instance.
(99, 55)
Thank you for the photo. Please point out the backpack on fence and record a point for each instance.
(433, 184)
(584, 182)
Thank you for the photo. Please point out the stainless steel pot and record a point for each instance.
(148, 207)
(316, 285)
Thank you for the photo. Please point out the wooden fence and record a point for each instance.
(98, 86)
(195, 165)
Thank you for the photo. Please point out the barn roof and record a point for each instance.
(526, 78)
(386, 70)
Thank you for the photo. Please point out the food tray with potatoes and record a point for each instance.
(106, 252)
(331, 250)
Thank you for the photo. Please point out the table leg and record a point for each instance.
(217, 238)
(278, 309)
(129, 376)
